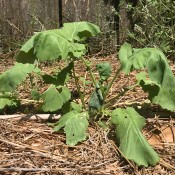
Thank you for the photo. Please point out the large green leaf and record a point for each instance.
(10, 79)
(151, 58)
(55, 98)
(75, 125)
(58, 43)
(132, 143)
(159, 73)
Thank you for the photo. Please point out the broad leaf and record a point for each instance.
(105, 70)
(59, 43)
(76, 107)
(75, 125)
(8, 102)
(49, 79)
(162, 95)
(55, 98)
(6, 99)
(5, 102)
(10, 79)
(22, 57)
(159, 73)
(63, 75)
(151, 58)
(147, 85)
(71, 106)
(132, 143)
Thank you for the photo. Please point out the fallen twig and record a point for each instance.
(25, 169)
(31, 116)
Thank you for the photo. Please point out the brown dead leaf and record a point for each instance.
(166, 135)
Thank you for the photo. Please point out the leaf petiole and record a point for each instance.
(108, 103)
(78, 88)
(111, 83)
(96, 85)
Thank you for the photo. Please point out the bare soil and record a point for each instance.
(31, 147)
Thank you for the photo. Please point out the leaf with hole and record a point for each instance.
(75, 125)
(132, 143)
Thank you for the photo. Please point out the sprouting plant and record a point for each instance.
(67, 44)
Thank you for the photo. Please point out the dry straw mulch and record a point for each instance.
(31, 147)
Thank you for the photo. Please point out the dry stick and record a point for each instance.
(166, 165)
(130, 102)
(30, 117)
(162, 120)
(36, 169)
(13, 25)
(25, 169)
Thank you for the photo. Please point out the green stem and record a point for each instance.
(110, 84)
(96, 85)
(120, 94)
(78, 88)
(31, 80)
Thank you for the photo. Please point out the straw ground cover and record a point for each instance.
(31, 147)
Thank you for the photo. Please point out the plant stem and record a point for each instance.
(96, 85)
(110, 84)
(78, 88)
(31, 80)
(120, 94)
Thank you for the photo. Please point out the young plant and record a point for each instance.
(67, 44)
(62, 44)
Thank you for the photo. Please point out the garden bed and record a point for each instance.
(31, 147)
